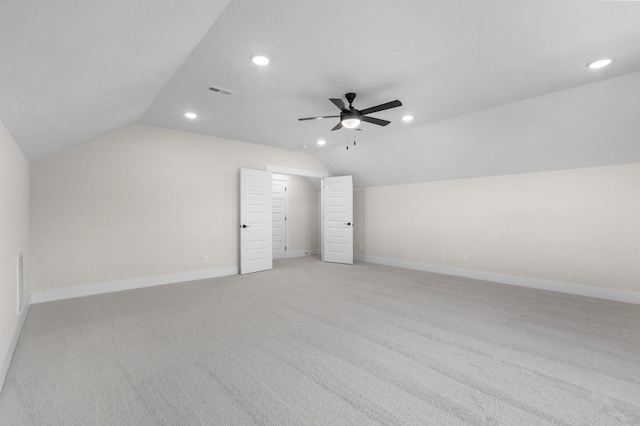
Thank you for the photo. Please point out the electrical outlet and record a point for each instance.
(206, 259)
(442, 256)
(463, 258)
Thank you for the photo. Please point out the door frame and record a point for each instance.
(297, 172)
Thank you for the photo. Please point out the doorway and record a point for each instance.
(296, 216)
(303, 195)
(252, 206)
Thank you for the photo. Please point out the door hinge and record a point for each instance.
(285, 248)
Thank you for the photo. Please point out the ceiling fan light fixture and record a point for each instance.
(321, 142)
(407, 118)
(191, 115)
(351, 123)
(350, 119)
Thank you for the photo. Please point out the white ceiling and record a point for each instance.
(73, 72)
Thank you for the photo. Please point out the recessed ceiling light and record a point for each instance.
(600, 63)
(260, 60)
(321, 142)
(407, 118)
(303, 146)
(190, 115)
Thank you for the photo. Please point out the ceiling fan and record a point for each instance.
(351, 117)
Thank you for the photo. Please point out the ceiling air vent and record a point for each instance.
(220, 90)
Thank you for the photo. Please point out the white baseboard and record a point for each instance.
(10, 348)
(113, 286)
(301, 253)
(561, 287)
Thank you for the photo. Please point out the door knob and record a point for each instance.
(348, 223)
(245, 226)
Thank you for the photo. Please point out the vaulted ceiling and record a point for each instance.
(495, 86)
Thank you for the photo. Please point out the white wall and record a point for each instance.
(14, 236)
(141, 202)
(577, 226)
(304, 211)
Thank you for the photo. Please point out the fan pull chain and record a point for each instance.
(354, 139)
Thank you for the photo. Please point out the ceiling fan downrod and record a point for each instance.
(350, 98)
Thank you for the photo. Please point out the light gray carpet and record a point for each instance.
(317, 343)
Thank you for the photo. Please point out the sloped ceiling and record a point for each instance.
(495, 86)
(73, 70)
(592, 125)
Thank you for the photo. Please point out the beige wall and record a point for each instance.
(304, 211)
(141, 202)
(146, 201)
(14, 230)
(578, 226)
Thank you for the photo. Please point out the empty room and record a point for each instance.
(231, 212)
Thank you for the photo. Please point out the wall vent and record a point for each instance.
(220, 90)
(20, 280)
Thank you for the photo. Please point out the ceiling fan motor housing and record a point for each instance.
(353, 114)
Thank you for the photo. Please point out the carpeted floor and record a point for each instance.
(312, 343)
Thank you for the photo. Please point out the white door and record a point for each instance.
(279, 217)
(255, 221)
(337, 219)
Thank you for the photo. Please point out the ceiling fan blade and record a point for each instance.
(318, 118)
(339, 103)
(381, 107)
(373, 120)
(338, 126)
